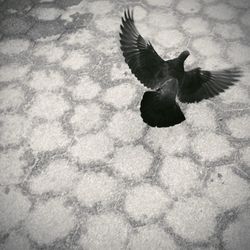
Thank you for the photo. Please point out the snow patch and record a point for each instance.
(14, 207)
(92, 147)
(146, 202)
(131, 161)
(126, 126)
(106, 231)
(95, 188)
(58, 177)
(50, 221)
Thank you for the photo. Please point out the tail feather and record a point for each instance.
(157, 112)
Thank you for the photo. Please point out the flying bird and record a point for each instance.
(168, 79)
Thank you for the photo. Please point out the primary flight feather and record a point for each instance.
(168, 79)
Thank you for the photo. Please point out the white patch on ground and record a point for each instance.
(14, 46)
(189, 6)
(240, 3)
(191, 61)
(207, 46)
(205, 248)
(86, 118)
(120, 96)
(126, 126)
(86, 89)
(239, 126)
(139, 13)
(49, 38)
(70, 11)
(160, 2)
(13, 71)
(151, 237)
(46, 80)
(196, 26)
(211, 147)
(216, 63)
(11, 169)
(50, 221)
(120, 71)
(209, 1)
(92, 147)
(227, 189)
(14, 207)
(16, 241)
(101, 7)
(229, 31)
(108, 24)
(106, 231)
(147, 31)
(50, 51)
(48, 136)
(180, 175)
(95, 188)
(236, 236)
(131, 161)
(80, 37)
(76, 60)
(13, 128)
(162, 20)
(239, 53)
(245, 78)
(245, 156)
(170, 140)
(11, 97)
(146, 202)
(176, 38)
(245, 19)
(46, 14)
(194, 219)
(58, 177)
(220, 11)
(108, 46)
(235, 94)
(48, 106)
(200, 116)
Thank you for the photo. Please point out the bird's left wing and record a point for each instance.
(198, 84)
(148, 67)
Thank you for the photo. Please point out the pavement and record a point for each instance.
(78, 167)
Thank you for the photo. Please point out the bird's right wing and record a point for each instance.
(148, 67)
(201, 84)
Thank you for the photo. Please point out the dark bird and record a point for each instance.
(168, 79)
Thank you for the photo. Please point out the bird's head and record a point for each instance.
(183, 56)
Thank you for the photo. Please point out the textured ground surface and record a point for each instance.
(79, 169)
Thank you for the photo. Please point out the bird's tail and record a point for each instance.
(159, 112)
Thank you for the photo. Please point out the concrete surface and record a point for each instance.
(78, 167)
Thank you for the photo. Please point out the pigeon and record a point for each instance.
(168, 79)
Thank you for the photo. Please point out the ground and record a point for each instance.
(78, 167)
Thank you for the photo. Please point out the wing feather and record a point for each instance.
(198, 84)
(148, 67)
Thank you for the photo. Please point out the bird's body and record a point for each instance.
(168, 79)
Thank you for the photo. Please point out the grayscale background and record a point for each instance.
(79, 170)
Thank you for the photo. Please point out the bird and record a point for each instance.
(167, 79)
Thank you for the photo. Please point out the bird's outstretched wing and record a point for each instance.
(198, 84)
(142, 59)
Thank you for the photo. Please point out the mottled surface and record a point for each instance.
(80, 170)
